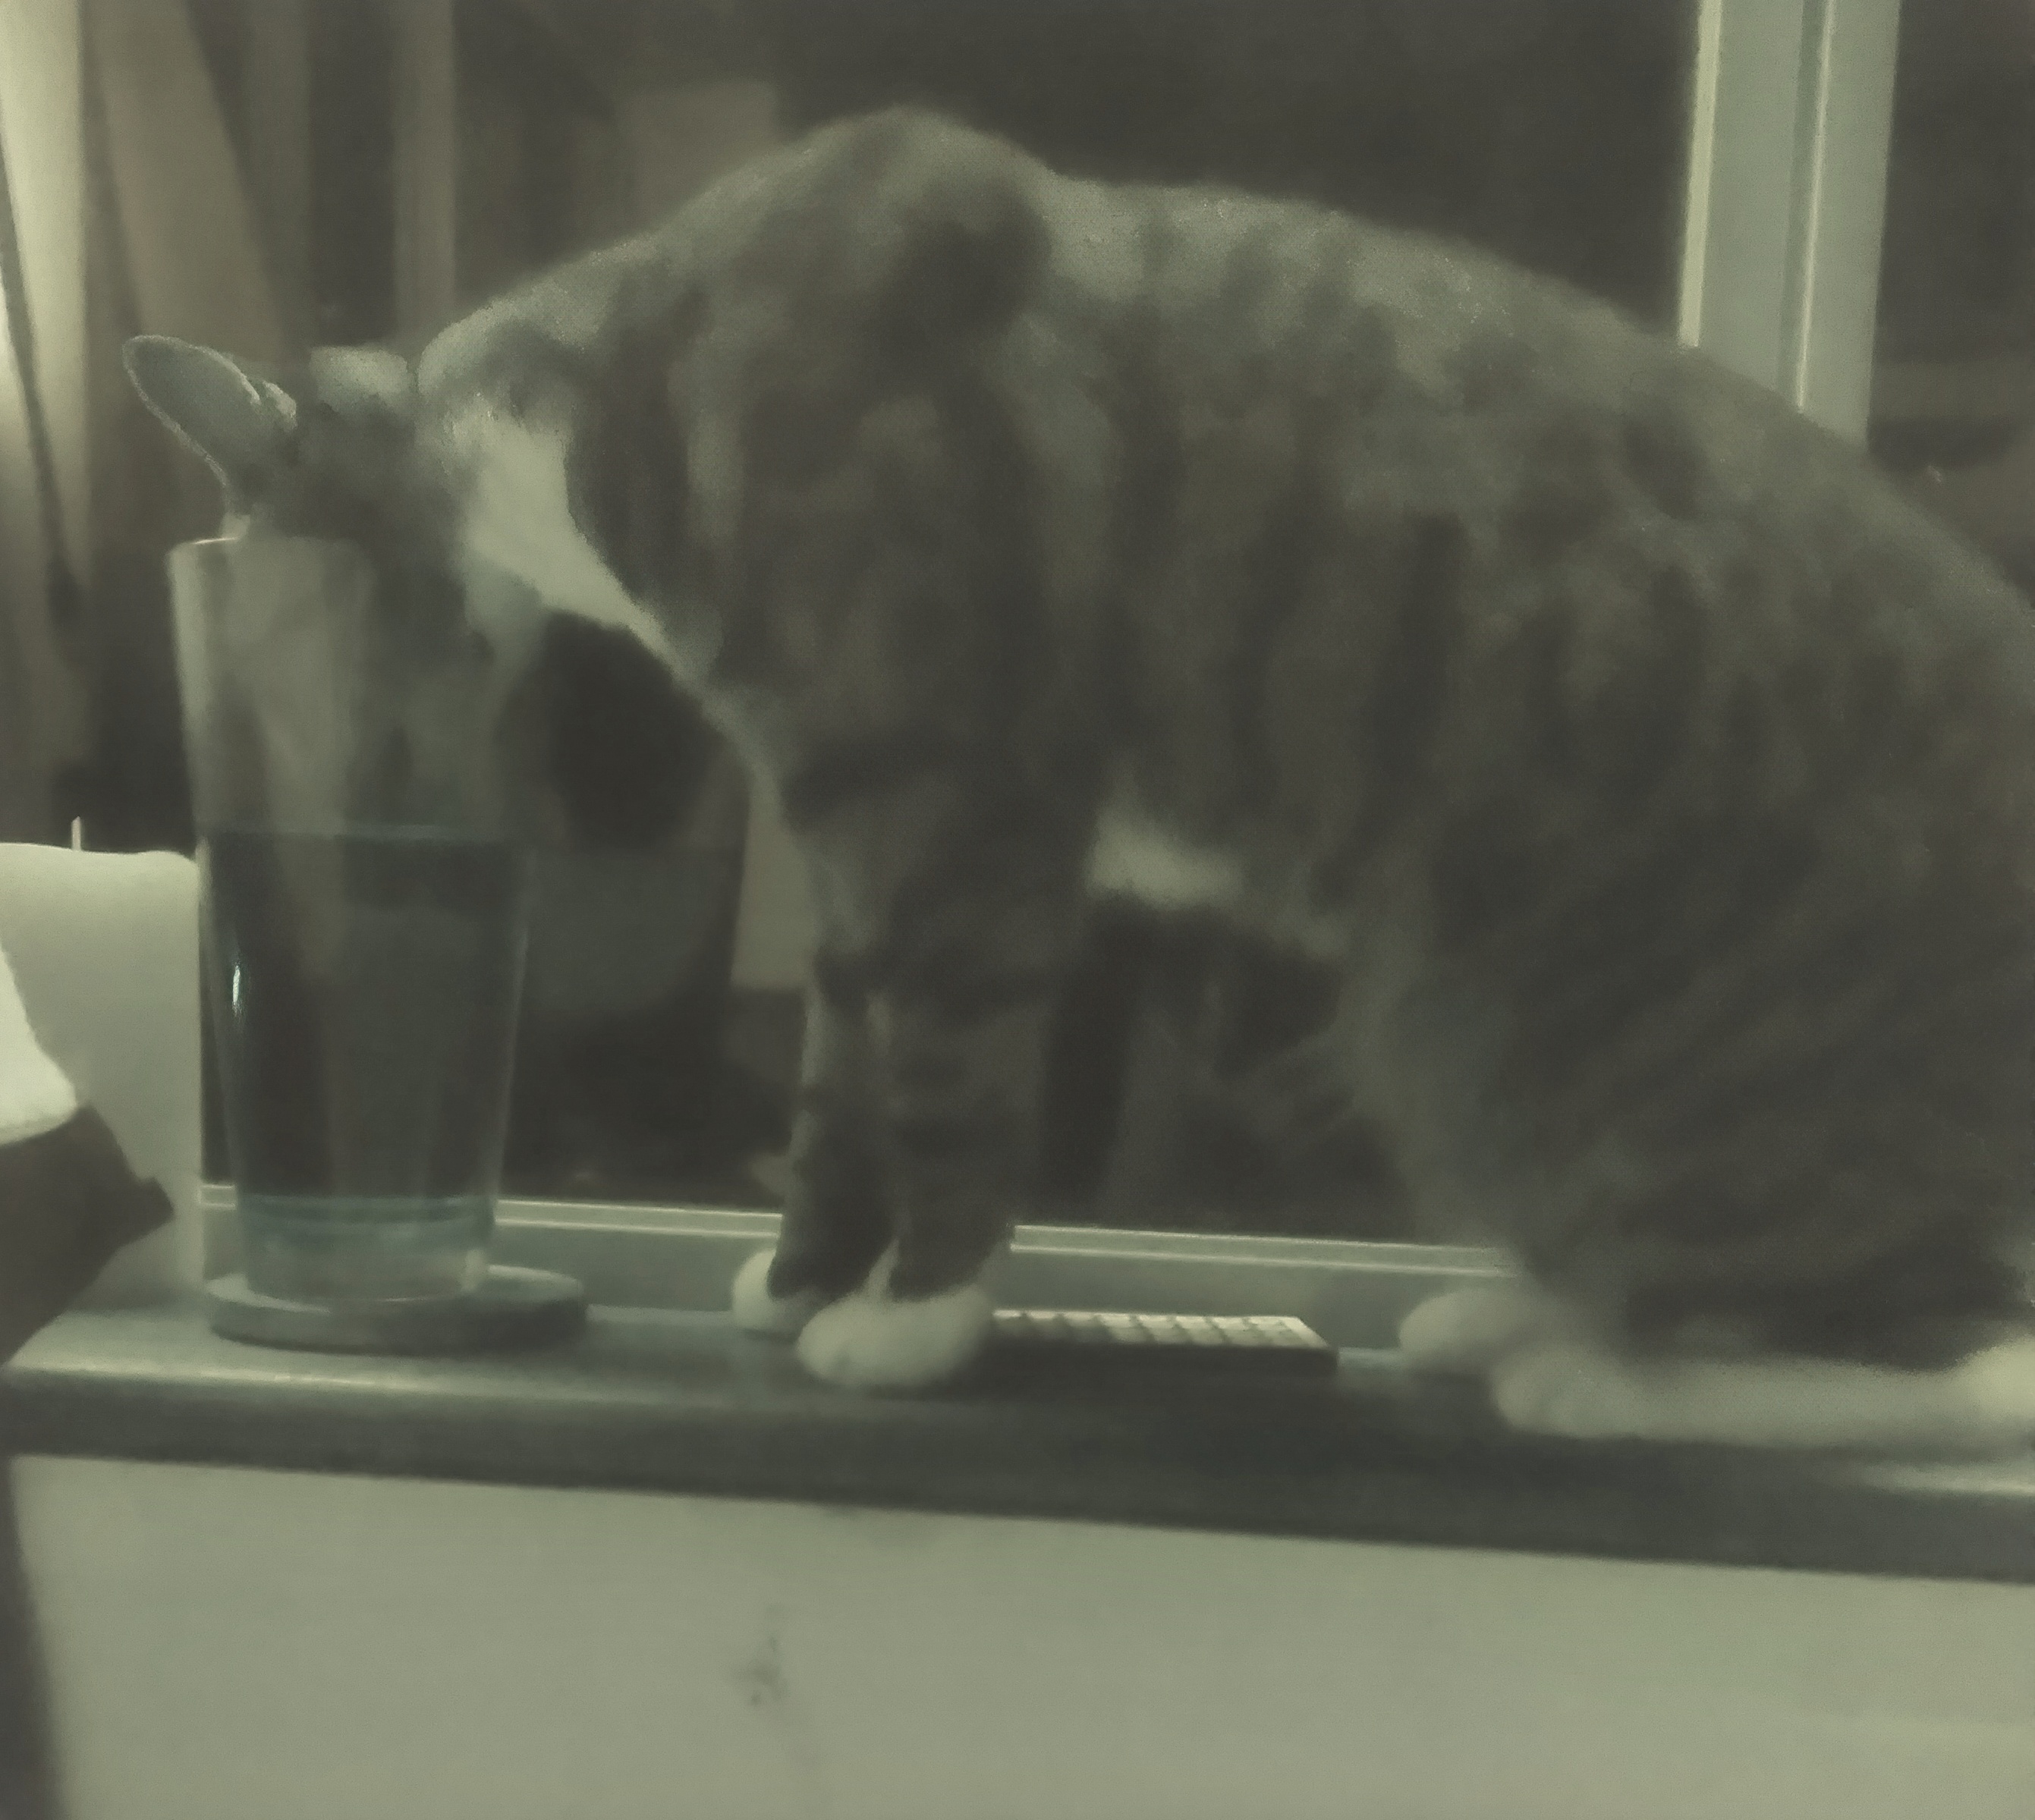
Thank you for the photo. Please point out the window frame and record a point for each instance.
(1790, 130)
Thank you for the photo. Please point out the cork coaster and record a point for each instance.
(512, 1309)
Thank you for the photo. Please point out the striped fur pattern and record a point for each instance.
(1657, 785)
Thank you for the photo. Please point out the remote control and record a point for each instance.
(1251, 1345)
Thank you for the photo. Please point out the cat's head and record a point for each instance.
(324, 449)
(327, 450)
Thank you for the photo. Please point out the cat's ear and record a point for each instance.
(364, 382)
(969, 254)
(241, 424)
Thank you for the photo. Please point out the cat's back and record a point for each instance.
(1251, 349)
(1474, 380)
(1627, 527)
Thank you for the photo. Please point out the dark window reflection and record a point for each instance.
(1953, 395)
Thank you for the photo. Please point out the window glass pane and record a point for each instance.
(1954, 391)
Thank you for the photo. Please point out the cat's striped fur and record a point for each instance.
(1660, 784)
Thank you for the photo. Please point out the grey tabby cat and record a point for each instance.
(1657, 784)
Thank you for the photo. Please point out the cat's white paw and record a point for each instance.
(866, 1342)
(757, 1311)
(1571, 1389)
(1996, 1389)
(1470, 1330)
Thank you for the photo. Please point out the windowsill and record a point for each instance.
(674, 1399)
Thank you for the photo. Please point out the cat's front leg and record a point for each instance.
(963, 986)
(836, 1220)
(958, 1127)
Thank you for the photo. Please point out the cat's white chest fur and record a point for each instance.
(517, 520)
(1132, 857)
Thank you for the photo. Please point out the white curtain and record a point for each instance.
(133, 215)
(43, 719)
